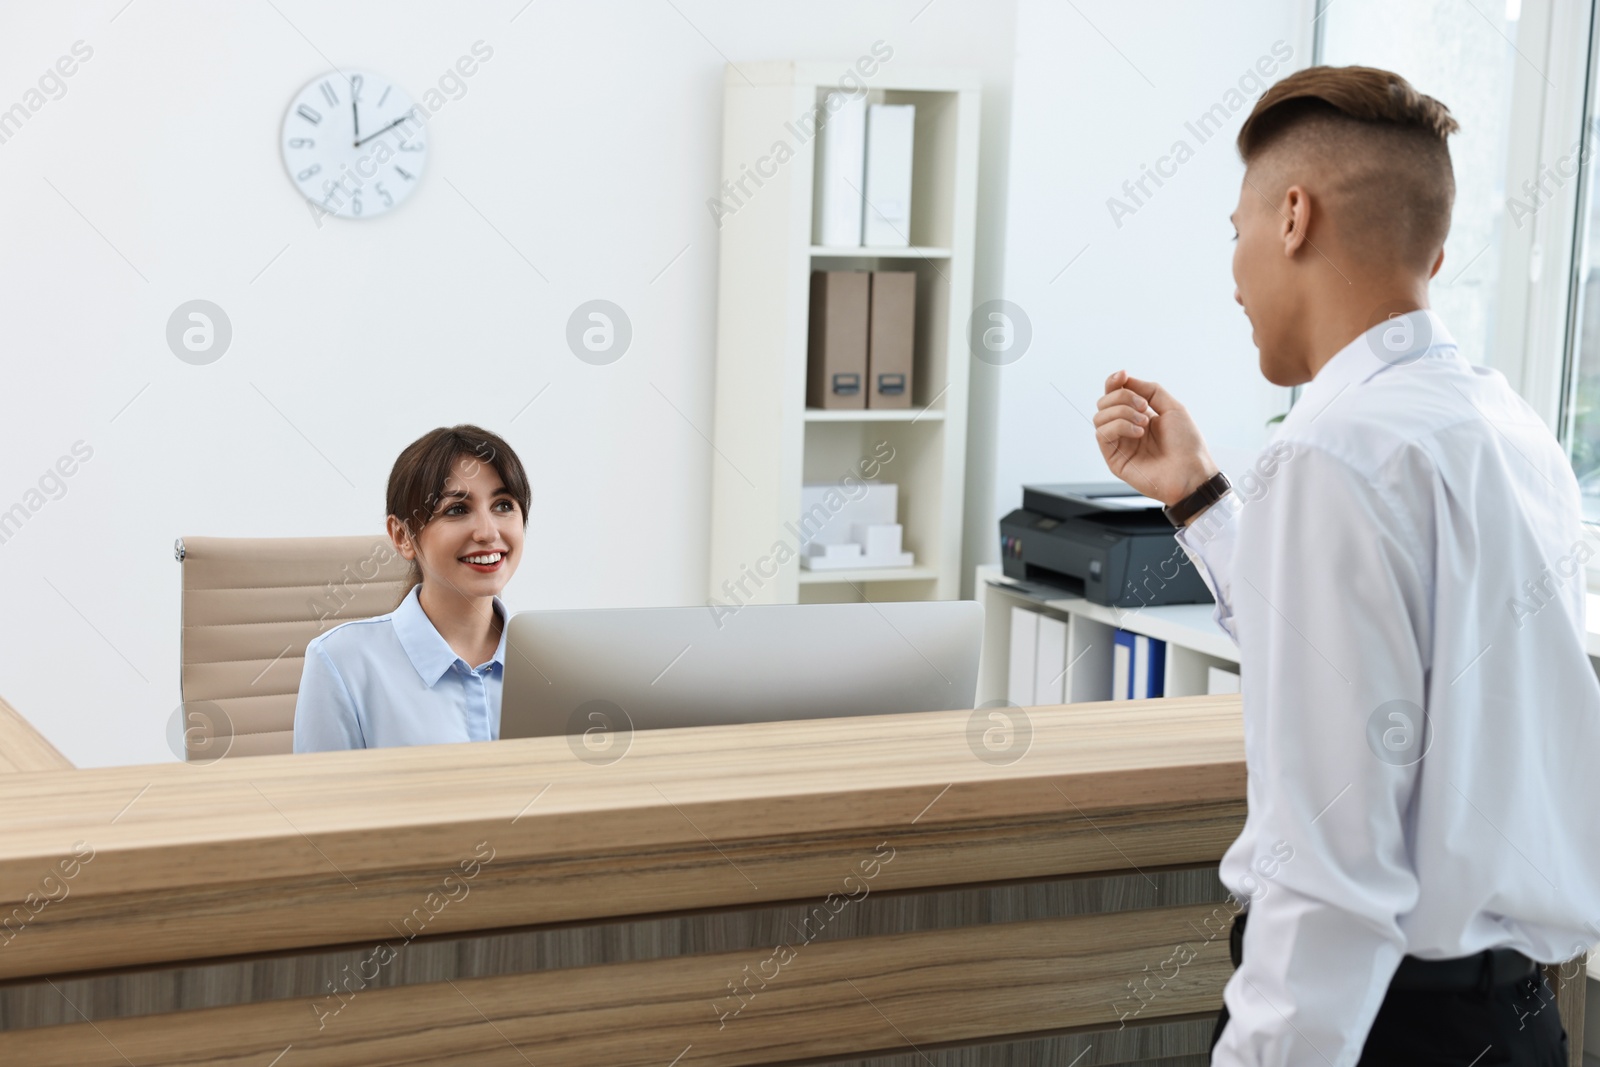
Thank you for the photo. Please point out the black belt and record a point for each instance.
(1489, 969)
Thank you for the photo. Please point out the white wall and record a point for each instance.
(590, 140)
(1099, 89)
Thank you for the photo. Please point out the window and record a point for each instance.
(1580, 394)
(1464, 54)
(1520, 285)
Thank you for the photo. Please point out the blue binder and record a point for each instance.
(1138, 666)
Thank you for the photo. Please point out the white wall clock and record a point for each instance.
(353, 144)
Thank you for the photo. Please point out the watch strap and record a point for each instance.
(1209, 492)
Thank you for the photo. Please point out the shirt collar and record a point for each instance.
(1397, 342)
(429, 652)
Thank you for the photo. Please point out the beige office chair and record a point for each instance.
(250, 606)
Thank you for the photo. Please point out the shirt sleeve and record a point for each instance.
(1208, 540)
(324, 713)
(1331, 610)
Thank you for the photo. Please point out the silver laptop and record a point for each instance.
(624, 669)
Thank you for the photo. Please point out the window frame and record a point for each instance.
(1537, 306)
(1537, 297)
(1539, 282)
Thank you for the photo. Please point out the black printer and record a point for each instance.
(1102, 541)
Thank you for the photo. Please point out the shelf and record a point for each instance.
(879, 415)
(867, 574)
(767, 254)
(1189, 625)
(1195, 643)
(865, 252)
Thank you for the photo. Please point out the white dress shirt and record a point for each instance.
(1417, 544)
(394, 680)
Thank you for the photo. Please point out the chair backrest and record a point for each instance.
(250, 607)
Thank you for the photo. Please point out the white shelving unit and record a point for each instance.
(824, 252)
(1194, 640)
(767, 442)
(868, 574)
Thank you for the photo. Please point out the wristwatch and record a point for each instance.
(1209, 492)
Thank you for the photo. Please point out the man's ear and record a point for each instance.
(1295, 219)
(1438, 261)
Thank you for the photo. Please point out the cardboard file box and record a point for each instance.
(889, 342)
(836, 349)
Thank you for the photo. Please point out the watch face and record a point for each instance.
(353, 144)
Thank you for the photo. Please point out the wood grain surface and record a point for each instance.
(179, 861)
(311, 974)
(145, 865)
(23, 748)
(829, 999)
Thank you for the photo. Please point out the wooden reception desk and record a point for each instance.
(831, 891)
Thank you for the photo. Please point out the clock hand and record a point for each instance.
(355, 117)
(383, 131)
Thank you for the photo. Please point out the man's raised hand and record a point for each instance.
(1149, 441)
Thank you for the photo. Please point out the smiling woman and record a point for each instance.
(429, 672)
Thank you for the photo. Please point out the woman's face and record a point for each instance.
(474, 541)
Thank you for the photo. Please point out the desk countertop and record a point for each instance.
(273, 852)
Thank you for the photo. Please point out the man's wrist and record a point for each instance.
(1202, 474)
(1197, 499)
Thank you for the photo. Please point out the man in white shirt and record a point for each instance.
(1403, 572)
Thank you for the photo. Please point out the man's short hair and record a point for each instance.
(1375, 145)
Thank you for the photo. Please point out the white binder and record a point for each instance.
(1050, 662)
(887, 219)
(1121, 665)
(1024, 650)
(1141, 667)
(841, 165)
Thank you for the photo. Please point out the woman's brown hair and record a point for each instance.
(417, 481)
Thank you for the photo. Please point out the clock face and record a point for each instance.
(353, 143)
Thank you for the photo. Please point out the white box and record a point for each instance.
(886, 218)
(878, 540)
(1024, 648)
(840, 177)
(828, 514)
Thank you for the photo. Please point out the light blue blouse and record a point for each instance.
(393, 680)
